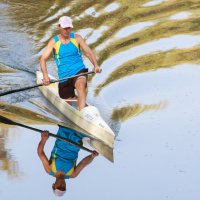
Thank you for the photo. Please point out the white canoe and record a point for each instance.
(89, 118)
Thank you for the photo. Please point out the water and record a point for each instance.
(147, 92)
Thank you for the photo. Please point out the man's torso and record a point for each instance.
(67, 56)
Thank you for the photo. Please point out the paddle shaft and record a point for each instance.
(8, 121)
(38, 85)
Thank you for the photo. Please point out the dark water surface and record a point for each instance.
(148, 92)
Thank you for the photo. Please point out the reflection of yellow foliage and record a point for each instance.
(23, 115)
(6, 160)
(128, 111)
(160, 30)
(10, 166)
(133, 13)
(127, 13)
(151, 62)
(4, 131)
(4, 69)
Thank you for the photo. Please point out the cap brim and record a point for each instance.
(66, 26)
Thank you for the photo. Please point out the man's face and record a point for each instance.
(65, 31)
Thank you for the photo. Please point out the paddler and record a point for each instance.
(67, 49)
(62, 162)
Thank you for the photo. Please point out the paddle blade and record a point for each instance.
(6, 120)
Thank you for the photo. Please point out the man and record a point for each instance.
(66, 47)
(62, 162)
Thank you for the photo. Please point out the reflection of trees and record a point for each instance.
(22, 115)
(5, 69)
(126, 112)
(7, 163)
(44, 17)
(162, 29)
(128, 13)
(151, 62)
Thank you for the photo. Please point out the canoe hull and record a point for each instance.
(96, 128)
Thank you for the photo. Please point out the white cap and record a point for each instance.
(65, 22)
(58, 192)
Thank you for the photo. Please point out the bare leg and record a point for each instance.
(80, 86)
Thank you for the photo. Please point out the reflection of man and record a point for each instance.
(62, 162)
(66, 47)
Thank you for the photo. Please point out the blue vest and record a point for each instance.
(64, 154)
(68, 57)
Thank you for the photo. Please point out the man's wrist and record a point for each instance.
(45, 75)
(95, 66)
(43, 141)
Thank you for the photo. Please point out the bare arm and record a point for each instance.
(88, 52)
(86, 161)
(40, 151)
(44, 58)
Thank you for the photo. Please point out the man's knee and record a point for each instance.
(81, 83)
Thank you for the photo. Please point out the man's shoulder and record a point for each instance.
(54, 39)
(78, 37)
(52, 42)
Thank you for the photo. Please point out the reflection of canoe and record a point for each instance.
(88, 118)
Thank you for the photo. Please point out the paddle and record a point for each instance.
(10, 122)
(38, 85)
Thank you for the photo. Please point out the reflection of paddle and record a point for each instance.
(10, 122)
(38, 85)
